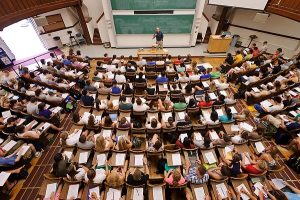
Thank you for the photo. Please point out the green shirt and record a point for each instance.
(215, 74)
(180, 105)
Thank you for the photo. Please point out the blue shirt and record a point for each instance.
(159, 36)
(292, 196)
(8, 161)
(115, 90)
(45, 113)
(224, 118)
(162, 79)
(67, 62)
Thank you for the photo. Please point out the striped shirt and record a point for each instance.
(192, 177)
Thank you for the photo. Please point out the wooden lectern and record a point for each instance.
(218, 44)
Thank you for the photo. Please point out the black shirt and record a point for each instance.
(87, 100)
(159, 36)
(142, 181)
(9, 129)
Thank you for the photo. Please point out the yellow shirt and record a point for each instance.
(238, 58)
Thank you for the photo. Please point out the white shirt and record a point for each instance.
(222, 86)
(194, 77)
(110, 68)
(142, 107)
(43, 78)
(276, 107)
(99, 178)
(120, 78)
(31, 108)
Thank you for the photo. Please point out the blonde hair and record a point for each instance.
(122, 144)
(176, 177)
(63, 138)
(137, 174)
(100, 144)
(114, 179)
(262, 165)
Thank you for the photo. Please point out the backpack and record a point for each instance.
(294, 162)
(269, 129)
(136, 142)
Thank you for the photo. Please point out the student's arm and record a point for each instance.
(146, 166)
(296, 190)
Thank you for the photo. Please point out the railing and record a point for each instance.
(102, 15)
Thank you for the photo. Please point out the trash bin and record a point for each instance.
(235, 38)
(57, 41)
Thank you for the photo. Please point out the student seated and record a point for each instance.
(269, 156)
(86, 100)
(289, 192)
(220, 101)
(165, 105)
(174, 177)
(86, 141)
(153, 124)
(196, 174)
(187, 143)
(61, 166)
(162, 78)
(254, 167)
(192, 103)
(139, 106)
(136, 177)
(181, 104)
(223, 140)
(169, 124)
(127, 89)
(68, 139)
(98, 176)
(103, 144)
(155, 144)
(43, 111)
(206, 103)
(214, 118)
(107, 122)
(123, 104)
(219, 173)
(52, 97)
(277, 105)
(228, 117)
(117, 176)
(124, 123)
(88, 87)
(115, 89)
(25, 132)
(123, 143)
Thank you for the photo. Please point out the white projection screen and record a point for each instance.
(252, 4)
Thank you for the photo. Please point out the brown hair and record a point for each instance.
(63, 138)
(100, 144)
(122, 144)
(176, 177)
(114, 179)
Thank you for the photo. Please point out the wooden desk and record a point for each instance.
(217, 44)
(152, 53)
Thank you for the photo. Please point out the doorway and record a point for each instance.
(23, 40)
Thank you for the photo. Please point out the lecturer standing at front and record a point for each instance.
(159, 38)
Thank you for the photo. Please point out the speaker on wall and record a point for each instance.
(261, 17)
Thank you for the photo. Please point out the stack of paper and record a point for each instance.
(235, 128)
(222, 190)
(68, 154)
(244, 196)
(212, 96)
(9, 145)
(113, 194)
(3, 178)
(210, 157)
(73, 191)
(83, 157)
(138, 194)
(259, 147)
(106, 133)
(120, 159)
(95, 190)
(138, 160)
(176, 160)
(200, 194)
(181, 115)
(6, 114)
(157, 193)
(101, 158)
(51, 188)
(247, 127)
(220, 112)
(198, 136)
(233, 110)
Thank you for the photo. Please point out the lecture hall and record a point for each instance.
(150, 100)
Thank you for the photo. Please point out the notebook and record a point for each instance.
(50, 188)
(157, 193)
(101, 158)
(120, 159)
(199, 193)
(83, 157)
(176, 160)
(222, 190)
(138, 194)
(6, 114)
(138, 160)
(73, 191)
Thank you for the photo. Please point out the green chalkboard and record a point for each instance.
(152, 4)
(146, 24)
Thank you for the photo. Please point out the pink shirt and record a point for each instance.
(169, 180)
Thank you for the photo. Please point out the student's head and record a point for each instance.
(91, 174)
(137, 175)
(157, 145)
(52, 55)
(277, 84)
(245, 135)
(43, 61)
(225, 170)
(176, 177)
(236, 158)
(206, 97)
(238, 52)
(107, 121)
(186, 143)
(163, 73)
(207, 142)
(273, 151)
(76, 117)
(200, 171)
(192, 102)
(182, 99)
(41, 106)
(228, 113)
(130, 57)
(226, 138)
(82, 139)
(214, 116)
(58, 157)
(91, 120)
(114, 179)
(277, 99)
(279, 50)
(123, 120)
(122, 144)
(88, 82)
(153, 123)
(139, 101)
(174, 86)
(100, 144)
(170, 120)
(262, 164)
(188, 88)
(123, 98)
(11, 120)
(84, 92)
(99, 63)
(63, 137)
(221, 98)
(105, 55)
(51, 93)
(250, 51)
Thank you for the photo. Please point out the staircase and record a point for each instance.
(97, 39)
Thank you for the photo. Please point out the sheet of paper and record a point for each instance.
(258, 186)
(205, 84)
(235, 128)
(278, 183)
(23, 150)
(120, 159)
(83, 157)
(228, 149)
(115, 102)
(57, 109)
(259, 147)
(1, 140)
(182, 136)
(138, 160)
(72, 84)
(293, 93)
(68, 154)
(22, 120)
(50, 188)
(176, 160)
(96, 190)
(198, 136)
(297, 89)
(73, 191)
(247, 161)
(101, 158)
(247, 127)
(214, 135)
(210, 157)
(64, 95)
(165, 86)
(293, 113)
(6, 114)
(206, 115)
(113, 194)
(181, 115)
(223, 92)
(244, 196)
(3, 178)
(199, 193)
(266, 103)
(220, 112)
(157, 193)
(138, 194)
(233, 110)
(106, 133)
(222, 190)
(212, 96)
(9, 145)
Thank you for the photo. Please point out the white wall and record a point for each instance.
(274, 24)
(209, 10)
(95, 9)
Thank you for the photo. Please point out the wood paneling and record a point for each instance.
(15, 10)
(286, 8)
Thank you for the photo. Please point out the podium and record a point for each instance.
(218, 44)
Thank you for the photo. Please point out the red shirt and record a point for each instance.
(252, 170)
(255, 53)
(205, 104)
(180, 145)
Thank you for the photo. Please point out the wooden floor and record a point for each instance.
(29, 188)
